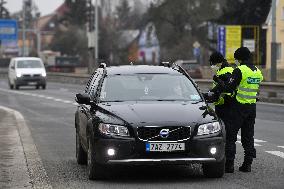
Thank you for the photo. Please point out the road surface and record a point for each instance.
(49, 115)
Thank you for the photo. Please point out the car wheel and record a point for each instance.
(95, 171)
(17, 87)
(81, 155)
(43, 87)
(214, 170)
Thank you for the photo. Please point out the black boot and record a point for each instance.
(229, 166)
(246, 167)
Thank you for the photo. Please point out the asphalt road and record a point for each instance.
(50, 117)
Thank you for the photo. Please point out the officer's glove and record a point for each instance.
(209, 97)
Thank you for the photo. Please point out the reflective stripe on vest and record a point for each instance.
(223, 71)
(249, 85)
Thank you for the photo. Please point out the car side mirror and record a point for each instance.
(83, 99)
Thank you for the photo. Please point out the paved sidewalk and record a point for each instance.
(13, 165)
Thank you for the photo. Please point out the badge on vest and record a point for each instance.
(251, 80)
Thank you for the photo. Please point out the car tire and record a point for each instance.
(43, 87)
(214, 170)
(95, 171)
(81, 155)
(17, 87)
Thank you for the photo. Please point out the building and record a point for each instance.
(279, 35)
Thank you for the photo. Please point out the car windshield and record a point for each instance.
(148, 87)
(29, 64)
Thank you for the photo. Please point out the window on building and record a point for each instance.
(279, 51)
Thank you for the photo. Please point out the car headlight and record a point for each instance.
(19, 75)
(43, 74)
(113, 130)
(209, 128)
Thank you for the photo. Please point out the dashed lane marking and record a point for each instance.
(40, 96)
(276, 153)
(255, 144)
(255, 140)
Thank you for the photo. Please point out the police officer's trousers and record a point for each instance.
(241, 117)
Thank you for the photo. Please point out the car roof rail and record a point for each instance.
(103, 65)
(165, 64)
(179, 68)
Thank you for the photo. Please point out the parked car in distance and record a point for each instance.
(25, 71)
(146, 115)
(192, 67)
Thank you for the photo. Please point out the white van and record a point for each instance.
(26, 71)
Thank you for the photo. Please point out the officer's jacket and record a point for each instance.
(224, 73)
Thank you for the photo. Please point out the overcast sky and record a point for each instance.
(45, 6)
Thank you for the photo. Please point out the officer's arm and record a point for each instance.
(229, 85)
(234, 81)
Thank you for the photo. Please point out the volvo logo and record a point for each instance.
(164, 133)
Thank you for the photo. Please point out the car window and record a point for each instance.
(29, 64)
(141, 87)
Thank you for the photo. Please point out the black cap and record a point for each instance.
(242, 53)
(216, 58)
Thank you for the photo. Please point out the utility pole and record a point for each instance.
(24, 29)
(273, 69)
(96, 34)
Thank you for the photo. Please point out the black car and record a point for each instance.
(146, 115)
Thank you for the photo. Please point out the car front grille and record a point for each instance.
(31, 76)
(151, 133)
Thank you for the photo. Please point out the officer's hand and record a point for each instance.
(216, 78)
(209, 97)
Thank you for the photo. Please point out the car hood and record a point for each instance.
(160, 113)
(30, 70)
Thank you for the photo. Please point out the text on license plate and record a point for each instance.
(164, 147)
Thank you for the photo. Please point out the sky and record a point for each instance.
(45, 6)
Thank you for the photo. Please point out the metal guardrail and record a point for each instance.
(269, 91)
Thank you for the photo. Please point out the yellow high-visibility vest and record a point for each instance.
(249, 85)
(220, 72)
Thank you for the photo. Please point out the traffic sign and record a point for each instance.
(9, 35)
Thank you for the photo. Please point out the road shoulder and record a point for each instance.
(20, 164)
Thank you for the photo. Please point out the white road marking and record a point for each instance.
(40, 96)
(255, 144)
(276, 153)
(280, 146)
(271, 104)
(255, 140)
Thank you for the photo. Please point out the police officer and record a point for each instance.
(223, 71)
(245, 81)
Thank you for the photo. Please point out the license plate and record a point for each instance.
(32, 83)
(164, 147)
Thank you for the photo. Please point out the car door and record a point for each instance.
(85, 110)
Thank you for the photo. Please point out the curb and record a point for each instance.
(37, 174)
